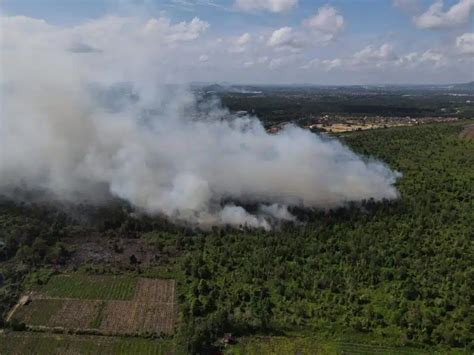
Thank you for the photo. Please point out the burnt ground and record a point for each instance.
(112, 251)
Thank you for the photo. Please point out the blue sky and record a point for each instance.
(375, 43)
(365, 16)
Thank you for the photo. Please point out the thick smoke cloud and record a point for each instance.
(105, 119)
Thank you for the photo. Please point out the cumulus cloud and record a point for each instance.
(436, 17)
(276, 6)
(257, 61)
(408, 60)
(240, 43)
(381, 57)
(183, 31)
(430, 56)
(465, 43)
(324, 26)
(286, 38)
(434, 57)
(371, 54)
(327, 22)
(278, 62)
(325, 64)
(107, 123)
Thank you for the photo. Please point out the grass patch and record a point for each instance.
(38, 313)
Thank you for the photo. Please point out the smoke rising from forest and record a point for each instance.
(88, 110)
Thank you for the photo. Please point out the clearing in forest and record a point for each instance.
(121, 305)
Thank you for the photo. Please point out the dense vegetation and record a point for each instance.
(401, 271)
(398, 273)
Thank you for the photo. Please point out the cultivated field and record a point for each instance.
(113, 305)
(49, 344)
(90, 287)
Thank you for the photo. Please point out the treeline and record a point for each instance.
(293, 105)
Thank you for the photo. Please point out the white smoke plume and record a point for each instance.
(88, 108)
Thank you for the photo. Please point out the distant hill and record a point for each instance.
(464, 86)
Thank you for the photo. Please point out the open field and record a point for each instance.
(122, 305)
(48, 344)
(350, 125)
(124, 317)
(90, 287)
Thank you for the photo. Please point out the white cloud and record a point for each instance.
(98, 34)
(408, 60)
(371, 54)
(183, 46)
(276, 63)
(384, 59)
(431, 56)
(286, 38)
(385, 55)
(257, 61)
(275, 6)
(327, 21)
(183, 31)
(203, 58)
(244, 39)
(325, 64)
(101, 41)
(465, 43)
(240, 43)
(436, 17)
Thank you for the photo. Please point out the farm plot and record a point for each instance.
(152, 309)
(155, 290)
(39, 312)
(90, 287)
(148, 307)
(46, 344)
(124, 317)
(75, 314)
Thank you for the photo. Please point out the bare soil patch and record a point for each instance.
(152, 310)
(128, 317)
(75, 314)
(154, 290)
